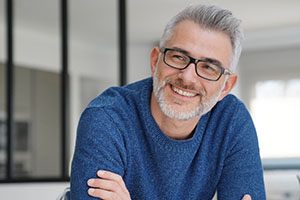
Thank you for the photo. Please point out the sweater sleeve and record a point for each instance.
(242, 171)
(99, 145)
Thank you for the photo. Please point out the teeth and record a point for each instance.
(183, 93)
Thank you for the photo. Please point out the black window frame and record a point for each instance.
(64, 87)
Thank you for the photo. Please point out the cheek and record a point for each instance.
(163, 72)
(217, 92)
(211, 89)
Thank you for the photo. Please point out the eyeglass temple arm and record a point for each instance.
(227, 71)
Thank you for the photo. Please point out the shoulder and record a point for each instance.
(230, 101)
(231, 117)
(95, 123)
(115, 108)
(230, 108)
(235, 121)
(241, 157)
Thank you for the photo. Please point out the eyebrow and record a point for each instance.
(206, 59)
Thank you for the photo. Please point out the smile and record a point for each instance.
(183, 93)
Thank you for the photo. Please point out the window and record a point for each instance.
(270, 87)
(275, 110)
(48, 92)
(93, 54)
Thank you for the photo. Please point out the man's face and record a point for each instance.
(182, 94)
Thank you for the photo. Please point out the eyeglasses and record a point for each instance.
(206, 68)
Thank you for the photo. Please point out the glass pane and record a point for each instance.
(143, 34)
(275, 111)
(36, 137)
(93, 53)
(2, 92)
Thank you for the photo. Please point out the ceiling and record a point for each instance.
(96, 20)
(255, 14)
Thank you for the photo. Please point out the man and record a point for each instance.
(178, 135)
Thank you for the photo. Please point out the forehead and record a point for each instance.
(200, 42)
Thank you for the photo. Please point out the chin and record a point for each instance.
(179, 112)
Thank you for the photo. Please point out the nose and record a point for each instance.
(188, 74)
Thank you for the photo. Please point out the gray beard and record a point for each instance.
(205, 104)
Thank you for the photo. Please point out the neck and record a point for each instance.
(173, 128)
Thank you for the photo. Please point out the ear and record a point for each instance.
(229, 84)
(154, 56)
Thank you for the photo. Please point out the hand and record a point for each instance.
(247, 197)
(109, 186)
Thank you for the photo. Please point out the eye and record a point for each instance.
(208, 67)
(178, 57)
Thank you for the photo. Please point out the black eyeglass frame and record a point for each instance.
(223, 70)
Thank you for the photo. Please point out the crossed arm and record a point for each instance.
(110, 186)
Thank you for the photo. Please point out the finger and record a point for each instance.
(105, 184)
(107, 175)
(103, 194)
(110, 186)
(247, 197)
(112, 176)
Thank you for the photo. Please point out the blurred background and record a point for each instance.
(42, 98)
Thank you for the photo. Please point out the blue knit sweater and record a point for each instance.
(118, 133)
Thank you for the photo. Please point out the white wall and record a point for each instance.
(139, 60)
(32, 191)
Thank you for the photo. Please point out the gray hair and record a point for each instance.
(212, 18)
